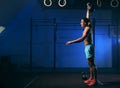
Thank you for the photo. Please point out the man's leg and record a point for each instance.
(93, 72)
(91, 69)
(90, 63)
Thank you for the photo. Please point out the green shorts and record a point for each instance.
(89, 51)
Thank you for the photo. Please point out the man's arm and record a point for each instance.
(88, 10)
(88, 14)
(85, 32)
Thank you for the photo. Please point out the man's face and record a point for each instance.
(83, 24)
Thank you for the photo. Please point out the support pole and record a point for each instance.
(55, 29)
(93, 24)
(30, 44)
(117, 39)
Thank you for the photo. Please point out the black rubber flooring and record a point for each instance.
(55, 80)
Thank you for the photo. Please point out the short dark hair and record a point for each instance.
(86, 20)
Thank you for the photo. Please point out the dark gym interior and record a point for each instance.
(33, 50)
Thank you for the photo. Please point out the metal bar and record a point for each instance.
(117, 39)
(55, 29)
(93, 23)
(30, 44)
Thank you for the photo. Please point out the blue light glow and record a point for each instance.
(119, 40)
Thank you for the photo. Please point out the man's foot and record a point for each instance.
(92, 82)
(88, 80)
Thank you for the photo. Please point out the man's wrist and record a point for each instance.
(73, 41)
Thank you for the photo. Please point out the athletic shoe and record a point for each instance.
(88, 80)
(92, 82)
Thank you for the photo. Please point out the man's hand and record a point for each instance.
(90, 7)
(69, 42)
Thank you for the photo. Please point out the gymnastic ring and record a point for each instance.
(48, 5)
(117, 3)
(99, 3)
(64, 3)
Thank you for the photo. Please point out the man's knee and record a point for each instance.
(91, 62)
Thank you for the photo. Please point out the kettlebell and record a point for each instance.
(84, 76)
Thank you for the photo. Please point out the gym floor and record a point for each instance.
(55, 80)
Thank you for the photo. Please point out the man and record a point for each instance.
(89, 48)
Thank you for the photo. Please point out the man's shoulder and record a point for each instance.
(90, 26)
(87, 28)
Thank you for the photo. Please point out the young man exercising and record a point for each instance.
(89, 48)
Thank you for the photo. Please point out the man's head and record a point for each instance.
(85, 22)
